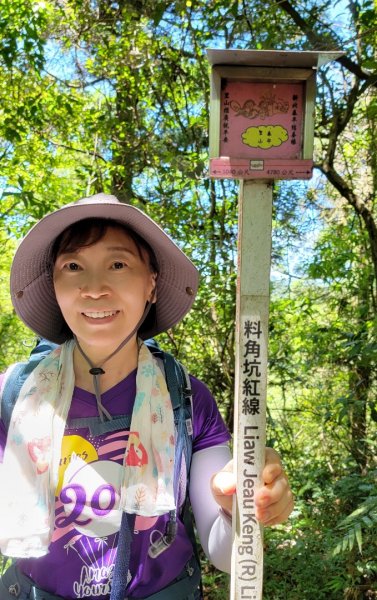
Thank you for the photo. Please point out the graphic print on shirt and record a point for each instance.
(87, 501)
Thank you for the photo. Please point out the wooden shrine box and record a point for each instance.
(262, 113)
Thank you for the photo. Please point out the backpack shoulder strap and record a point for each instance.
(179, 386)
(10, 389)
(15, 377)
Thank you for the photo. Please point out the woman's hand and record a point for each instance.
(273, 500)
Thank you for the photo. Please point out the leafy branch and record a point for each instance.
(361, 519)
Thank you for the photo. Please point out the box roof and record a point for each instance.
(271, 58)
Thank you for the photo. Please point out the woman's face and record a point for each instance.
(102, 289)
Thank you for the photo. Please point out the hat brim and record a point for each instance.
(32, 289)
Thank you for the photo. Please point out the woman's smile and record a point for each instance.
(101, 315)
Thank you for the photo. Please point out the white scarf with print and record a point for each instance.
(29, 473)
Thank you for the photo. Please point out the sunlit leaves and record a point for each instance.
(364, 518)
(22, 26)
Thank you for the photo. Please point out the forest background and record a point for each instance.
(114, 95)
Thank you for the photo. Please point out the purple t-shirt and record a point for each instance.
(82, 553)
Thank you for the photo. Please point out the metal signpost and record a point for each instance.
(261, 129)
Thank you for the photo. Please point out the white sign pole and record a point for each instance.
(254, 260)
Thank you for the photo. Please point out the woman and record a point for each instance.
(97, 277)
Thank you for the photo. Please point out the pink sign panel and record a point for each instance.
(261, 120)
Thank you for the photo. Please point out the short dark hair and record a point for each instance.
(88, 232)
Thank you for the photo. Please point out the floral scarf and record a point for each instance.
(30, 470)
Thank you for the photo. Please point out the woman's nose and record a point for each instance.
(94, 286)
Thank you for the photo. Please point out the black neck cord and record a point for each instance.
(96, 371)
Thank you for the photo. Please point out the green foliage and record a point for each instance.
(22, 23)
(16, 340)
(361, 520)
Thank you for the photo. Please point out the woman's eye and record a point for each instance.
(119, 265)
(71, 266)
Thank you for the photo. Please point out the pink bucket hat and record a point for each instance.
(32, 289)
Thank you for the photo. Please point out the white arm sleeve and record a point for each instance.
(214, 527)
